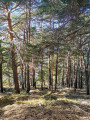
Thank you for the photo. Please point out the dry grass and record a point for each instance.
(44, 105)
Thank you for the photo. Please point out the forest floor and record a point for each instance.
(45, 105)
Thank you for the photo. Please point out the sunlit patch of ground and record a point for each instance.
(45, 105)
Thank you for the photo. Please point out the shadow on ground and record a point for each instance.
(45, 105)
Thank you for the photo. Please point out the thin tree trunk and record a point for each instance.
(28, 83)
(22, 76)
(70, 72)
(87, 73)
(80, 75)
(49, 67)
(52, 59)
(76, 80)
(25, 76)
(67, 74)
(34, 82)
(52, 65)
(42, 74)
(56, 70)
(1, 83)
(63, 75)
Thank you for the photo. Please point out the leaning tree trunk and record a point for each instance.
(14, 66)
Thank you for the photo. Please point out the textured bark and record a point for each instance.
(56, 70)
(49, 67)
(22, 80)
(28, 83)
(42, 75)
(76, 80)
(52, 66)
(52, 59)
(63, 75)
(25, 79)
(87, 73)
(33, 73)
(33, 77)
(80, 74)
(28, 23)
(1, 83)
(14, 66)
(67, 74)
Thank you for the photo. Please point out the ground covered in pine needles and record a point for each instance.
(45, 105)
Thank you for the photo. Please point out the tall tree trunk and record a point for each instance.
(22, 75)
(42, 74)
(28, 23)
(1, 83)
(49, 67)
(34, 82)
(70, 73)
(33, 73)
(25, 79)
(86, 67)
(42, 81)
(87, 72)
(52, 65)
(52, 59)
(28, 83)
(76, 79)
(67, 74)
(80, 73)
(56, 70)
(14, 66)
(63, 75)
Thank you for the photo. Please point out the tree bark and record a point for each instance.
(87, 73)
(14, 66)
(1, 82)
(67, 74)
(52, 65)
(22, 75)
(56, 71)
(25, 79)
(42, 74)
(49, 67)
(28, 23)
(63, 75)
(34, 82)
(28, 83)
